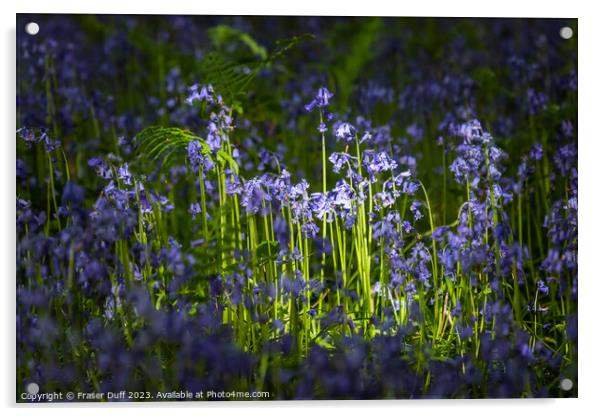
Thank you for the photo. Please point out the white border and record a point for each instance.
(468, 8)
(590, 154)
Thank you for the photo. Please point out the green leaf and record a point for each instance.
(223, 35)
(266, 251)
(225, 157)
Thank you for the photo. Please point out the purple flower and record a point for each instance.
(567, 128)
(537, 101)
(460, 169)
(28, 136)
(383, 200)
(322, 206)
(22, 170)
(254, 196)
(410, 187)
(200, 93)
(321, 99)
(542, 288)
(407, 227)
(378, 162)
(346, 132)
(470, 131)
(339, 159)
(214, 137)
(102, 169)
(342, 196)
(233, 185)
(387, 227)
(566, 158)
(415, 131)
(196, 157)
(124, 174)
(281, 231)
(73, 194)
(410, 290)
(299, 190)
(536, 152)
(195, 209)
(268, 159)
(31, 136)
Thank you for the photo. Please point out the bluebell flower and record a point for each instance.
(567, 128)
(321, 99)
(470, 132)
(345, 132)
(410, 290)
(322, 206)
(387, 227)
(73, 194)
(542, 287)
(566, 157)
(367, 138)
(268, 159)
(101, 166)
(323, 246)
(415, 209)
(124, 174)
(339, 159)
(410, 187)
(572, 203)
(415, 131)
(309, 230)
(536, 152)
(22, 170)
(407, 227)
(233, 185)
(537, 101)
(299, 190)
(197, 158)
(32, 136)
(278, 325)
(343, 196)
(195, 209)
(383, 200)
(254, 195)
(376, 288)
(214, 137)
(378, 162)
(200, 93)
(28, 135)
(373, 93)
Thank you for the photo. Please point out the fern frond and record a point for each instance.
(232, 77)
(163, 143)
